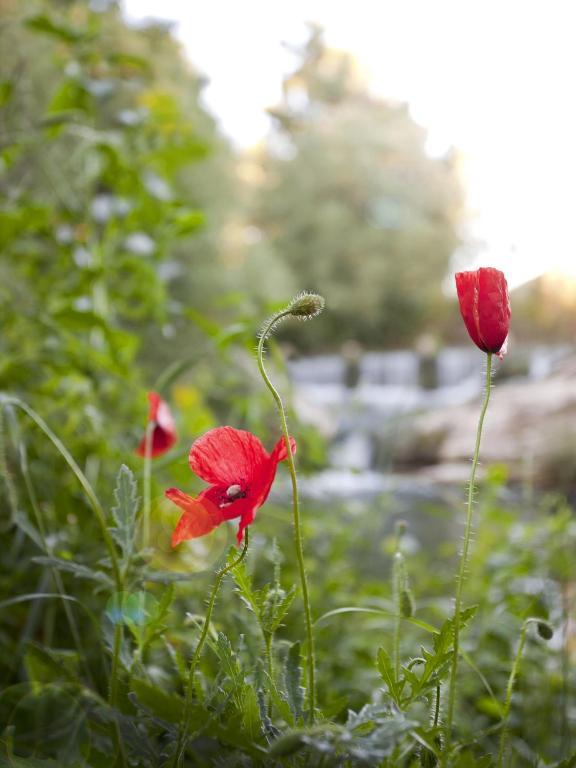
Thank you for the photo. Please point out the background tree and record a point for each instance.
(353, 203)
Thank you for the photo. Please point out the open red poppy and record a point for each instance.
(240, 472)
(485, 307)
(164, 431)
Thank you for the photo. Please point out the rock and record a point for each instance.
(530, 426)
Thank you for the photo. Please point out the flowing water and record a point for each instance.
(362, 420)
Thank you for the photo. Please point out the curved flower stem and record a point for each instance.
(147, 482)
(296, 514)
(509, 691)
(464, 563)
(182, 737)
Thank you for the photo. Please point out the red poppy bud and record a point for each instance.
(485, 307)
(164, 430)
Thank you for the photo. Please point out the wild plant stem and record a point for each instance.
(437, 707)
(509, 691)
(74, 631)
(147, 482)
(182, 736)
(101, 518)
(298, 539)
(80, 476)
(397, 588)
(268, 637)
(113, 689)
(464, 563)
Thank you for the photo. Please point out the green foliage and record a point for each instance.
(125, 513)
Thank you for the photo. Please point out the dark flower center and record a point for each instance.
(233, 493)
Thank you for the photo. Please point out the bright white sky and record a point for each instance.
(494, 78)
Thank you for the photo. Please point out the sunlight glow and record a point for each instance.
(493, 79)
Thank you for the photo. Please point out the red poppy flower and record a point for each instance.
(485, 307)
(164, 433)
(240, 472)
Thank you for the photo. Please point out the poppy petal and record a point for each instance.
(493, 308)
(199, 518)
(225, 456)
(164, 433)
(162, 441)
(467, 287)
(279, 452)
(245, 521)
(154, 399)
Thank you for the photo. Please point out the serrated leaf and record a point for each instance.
(125, 512)
(388, 675)
(243, 581)
(228, 661)
(292, 680)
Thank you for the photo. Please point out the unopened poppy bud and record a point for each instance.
(406, 603)
(545, 630)
(306, 305)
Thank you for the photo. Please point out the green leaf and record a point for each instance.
(6, 88)
(45, 665)
(250, 597)
(292, 679)
(184, 224)
(229, 662)
(28, 528)
(275, 607)
(125, 512)
(45, 25)
(569, 762)
(79, 570)
(388, 675)
(381, 611)
(167, 706)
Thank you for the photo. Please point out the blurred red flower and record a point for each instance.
(240, 472)
(485, 307)
(164, 432)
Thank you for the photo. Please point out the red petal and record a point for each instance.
(245, 521)
(199, 518)
(279, 452)
(225, 456)
(162, 441)
(467, 287)
(164, 434)
(493, 308)
(154, 399)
